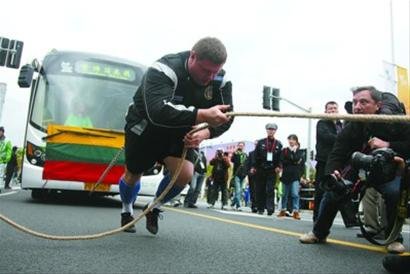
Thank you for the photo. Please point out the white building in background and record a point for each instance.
(3, 88)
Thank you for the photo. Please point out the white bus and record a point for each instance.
(102, 85)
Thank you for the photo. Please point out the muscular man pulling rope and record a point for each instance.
(177, 92)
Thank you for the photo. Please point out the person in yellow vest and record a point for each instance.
(79, 118)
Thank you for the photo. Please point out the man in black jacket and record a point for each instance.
(359, 136)
(267, 168)
(177, 92)
(326, 132)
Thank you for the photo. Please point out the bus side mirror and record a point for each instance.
(26, 76)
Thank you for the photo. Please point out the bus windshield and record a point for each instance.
(83, 98)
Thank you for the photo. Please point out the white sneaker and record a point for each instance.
(310, 238)
(395, 248)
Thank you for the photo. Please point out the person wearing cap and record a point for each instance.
(267, 168)
(5, 152)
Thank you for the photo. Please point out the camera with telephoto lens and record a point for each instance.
(379, 165)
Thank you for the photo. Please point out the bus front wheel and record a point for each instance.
(39, 194)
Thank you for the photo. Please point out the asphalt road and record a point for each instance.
(189, 241)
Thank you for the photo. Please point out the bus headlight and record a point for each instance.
(35, 154)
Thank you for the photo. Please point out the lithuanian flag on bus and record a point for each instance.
(82, 154)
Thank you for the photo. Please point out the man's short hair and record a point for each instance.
(330, 103)
(2, 129)
(212, 49)
(375, 94)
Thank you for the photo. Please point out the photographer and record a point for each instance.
(221, 164)
(362, 136)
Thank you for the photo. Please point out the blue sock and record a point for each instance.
(173, 192)
(128, 193)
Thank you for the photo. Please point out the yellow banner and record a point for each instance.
(403, 87)
(84, 136)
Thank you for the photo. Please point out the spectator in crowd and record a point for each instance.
(357, 136)
(326, 132)
(238, 160)
(5, 152)
(220, 165)
(267, 167)
(293, 162)
(250, 163)
(197, 181)
(11, 168)
(209, 184)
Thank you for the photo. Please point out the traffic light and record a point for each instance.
(10, 52)
(275, 99)
(266, 97)
(271, 98)
(14, 56)
(4, 48)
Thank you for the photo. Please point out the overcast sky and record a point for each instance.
(314, 51)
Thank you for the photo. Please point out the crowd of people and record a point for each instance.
(251, 180)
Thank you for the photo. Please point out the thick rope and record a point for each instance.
(106, 233)
(117, 230)
(324, 116)
(107, 169)
(346, 117)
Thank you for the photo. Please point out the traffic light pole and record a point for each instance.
(309, 143)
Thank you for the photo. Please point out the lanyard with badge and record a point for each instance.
(269, 151)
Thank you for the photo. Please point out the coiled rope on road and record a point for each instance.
(346, 117)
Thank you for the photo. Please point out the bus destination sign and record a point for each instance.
(105, 70)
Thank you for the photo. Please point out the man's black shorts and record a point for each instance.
(143, 151)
